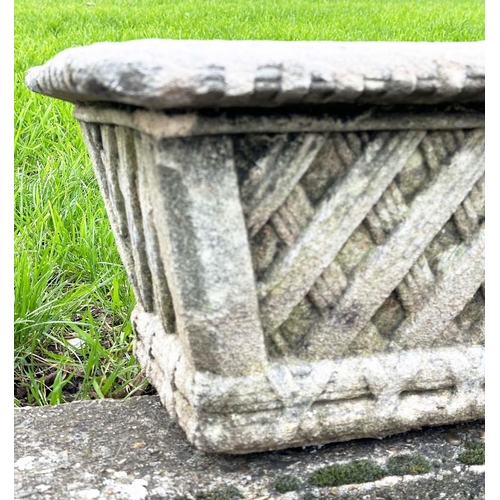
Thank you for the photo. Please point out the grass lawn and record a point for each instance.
(73, 339)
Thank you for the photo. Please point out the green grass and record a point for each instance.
(69, 282)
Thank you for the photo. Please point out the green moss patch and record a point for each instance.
(358, 471)
(287, 483)
(473, 454)
(309, 496)
(401, 465)
(225, 493)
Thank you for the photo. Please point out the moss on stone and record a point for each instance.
(474, 454)
(401, 465)
(287, 483)
(308, 496)
(358, 471)
(225, 493)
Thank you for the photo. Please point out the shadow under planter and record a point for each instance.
(303, 227)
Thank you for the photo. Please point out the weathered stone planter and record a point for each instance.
(303, 226)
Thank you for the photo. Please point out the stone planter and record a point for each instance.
(303, 227)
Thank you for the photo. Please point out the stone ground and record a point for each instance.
(132, 450)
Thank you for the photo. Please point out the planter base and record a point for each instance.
(300, 403)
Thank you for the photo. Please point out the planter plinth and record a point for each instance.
(303, 227)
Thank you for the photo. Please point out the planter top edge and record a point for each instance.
(173, 74)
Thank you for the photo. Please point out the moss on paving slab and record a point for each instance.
(358, 471)
(284, 484)
(402, 465)
(225, 493)
(165, 466)
(474, 454)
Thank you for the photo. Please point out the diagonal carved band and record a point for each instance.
(343, 209)
(461, 279)
(387, 265)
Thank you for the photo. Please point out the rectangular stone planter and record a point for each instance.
(303, 227)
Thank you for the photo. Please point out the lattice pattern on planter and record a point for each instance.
(301, 197)
(330, 215)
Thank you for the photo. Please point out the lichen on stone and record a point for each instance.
(474, 454)
(408, 464)
(358, 471)
(286, 483)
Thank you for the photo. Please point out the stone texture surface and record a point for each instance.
(166, 74)
(132, 450)
(303, 275)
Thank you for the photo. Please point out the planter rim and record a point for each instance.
(172, 74)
